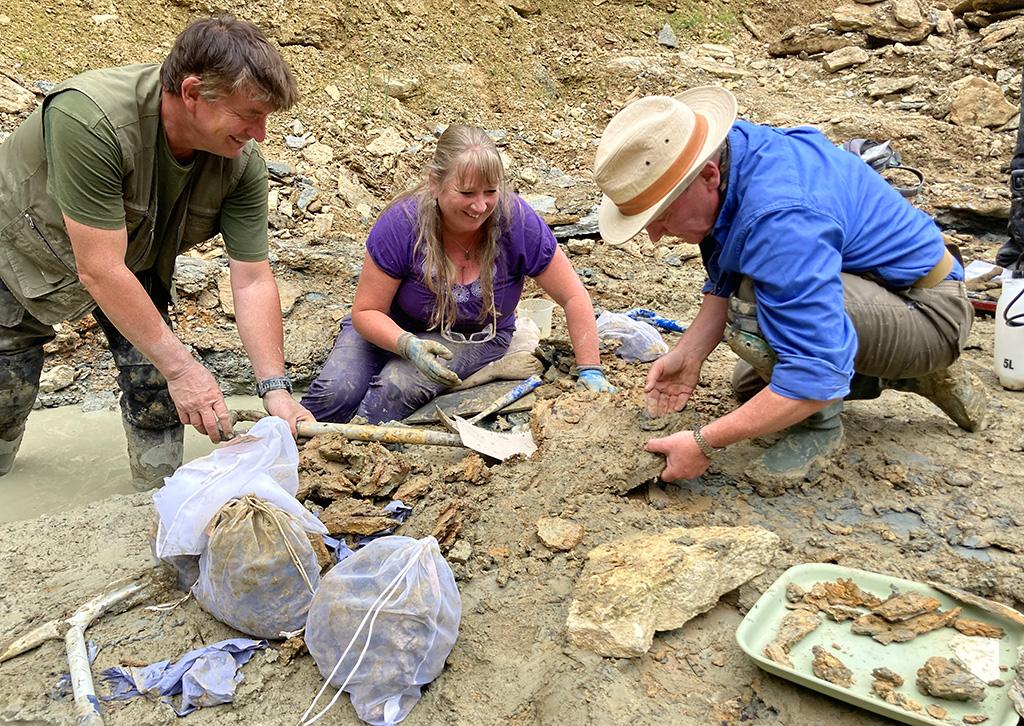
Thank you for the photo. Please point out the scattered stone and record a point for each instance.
(279, 169)
(322, 224)
(540, 203)
(355, 516)
(103, 19)
(848, 18)
(524, 8)
(829, 668)
(721, 70)
(460, 552)
(318, 154)
(635, 586)
(816, 39)
(667, 38)
(907, 13)
(295, 143)
(559, 534)
(56, 378)
(14, 98)
(837, 60)
(352, 192)
(288, 292)
(471, 469)
(577, 247)
(585, 227)
(976, 101)
(192, 275)
(388, 143)
(402, 88)
(947, 678)
(4, 20)
(718, 52)
(892, 86)
(333, 92)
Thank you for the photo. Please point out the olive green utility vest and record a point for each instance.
(37, 263)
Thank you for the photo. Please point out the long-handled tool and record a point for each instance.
(496, 445)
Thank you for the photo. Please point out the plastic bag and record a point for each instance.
(258, 572)
(640, 341)
(263, 462)
(381, 625)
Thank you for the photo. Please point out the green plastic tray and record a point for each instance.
(860, 653)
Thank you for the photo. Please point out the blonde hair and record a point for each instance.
(462, 152)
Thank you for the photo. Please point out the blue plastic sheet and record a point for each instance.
(649, 316)
(204, 677)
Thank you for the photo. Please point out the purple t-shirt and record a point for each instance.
(526, 248)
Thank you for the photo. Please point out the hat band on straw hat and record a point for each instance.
(672, 176)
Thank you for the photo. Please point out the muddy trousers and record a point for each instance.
(150, 419)
(361, 379)
(1012, 252)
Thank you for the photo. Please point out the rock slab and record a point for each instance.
(631, 588)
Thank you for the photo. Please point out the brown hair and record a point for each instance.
(462, 152)
(229, 55)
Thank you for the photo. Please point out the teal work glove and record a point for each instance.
(427, 356)
(591, 378)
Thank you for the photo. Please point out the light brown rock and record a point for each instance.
(318, 154)
(892, 86)
(907, 13)
(837, 60)
(631, 588)
(388, 143)
(559, 534)
(976, 101)
(14, 98)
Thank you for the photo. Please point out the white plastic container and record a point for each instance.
(539, 311)
(1009, 347)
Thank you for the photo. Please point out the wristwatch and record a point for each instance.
(277, 383)
(705, 448)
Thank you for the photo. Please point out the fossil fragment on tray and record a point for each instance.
(794, 593)
(979, 628)
(1016, 690)
(840, 600)
(973, 718)
(829, 668)
(885, 632)
(905, 605)
(884, 686)
(936, 712)
(794, 626)
(947, 678)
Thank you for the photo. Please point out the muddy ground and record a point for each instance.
(909, 495)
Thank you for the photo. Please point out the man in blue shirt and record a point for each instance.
(825, 281)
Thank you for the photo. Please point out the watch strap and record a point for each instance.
(276, 383)
(705, 448)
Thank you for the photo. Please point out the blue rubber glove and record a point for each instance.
(592, 379)
(428, 356)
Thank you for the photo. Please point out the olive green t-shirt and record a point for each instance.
(84, 177)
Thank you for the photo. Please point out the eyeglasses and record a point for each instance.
(481, 336)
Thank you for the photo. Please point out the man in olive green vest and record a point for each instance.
(118, 172)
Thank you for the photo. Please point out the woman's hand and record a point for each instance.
(591, 378)
(428, 356)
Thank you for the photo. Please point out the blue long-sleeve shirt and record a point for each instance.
(797, 211)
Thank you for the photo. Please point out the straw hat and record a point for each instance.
(652, 150)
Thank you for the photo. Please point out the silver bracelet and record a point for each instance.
(705, 448)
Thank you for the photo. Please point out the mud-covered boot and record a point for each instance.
(804, 444)
(19, 384)
(153, 454)
(955, 390)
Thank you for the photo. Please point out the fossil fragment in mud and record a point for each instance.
(884, 686)
(947, 678)
(905, 605)
(886, 632)
(793, 628)
(829, 668)
(977, 627)
(977, 601)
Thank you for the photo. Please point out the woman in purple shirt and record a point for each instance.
(436, 299)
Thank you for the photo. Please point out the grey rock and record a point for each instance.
(585, 227)
(99, 401)
(540, 203)
(295, 143)
(667, 38)
(279, 169)
(837, 60)
(56, 378)
(192, 275)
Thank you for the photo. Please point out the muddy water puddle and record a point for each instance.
(69, 458)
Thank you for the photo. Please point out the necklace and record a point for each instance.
(465, 251)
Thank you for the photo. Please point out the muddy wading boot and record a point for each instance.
(153, 454)
(955, 390)
(19, 385)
